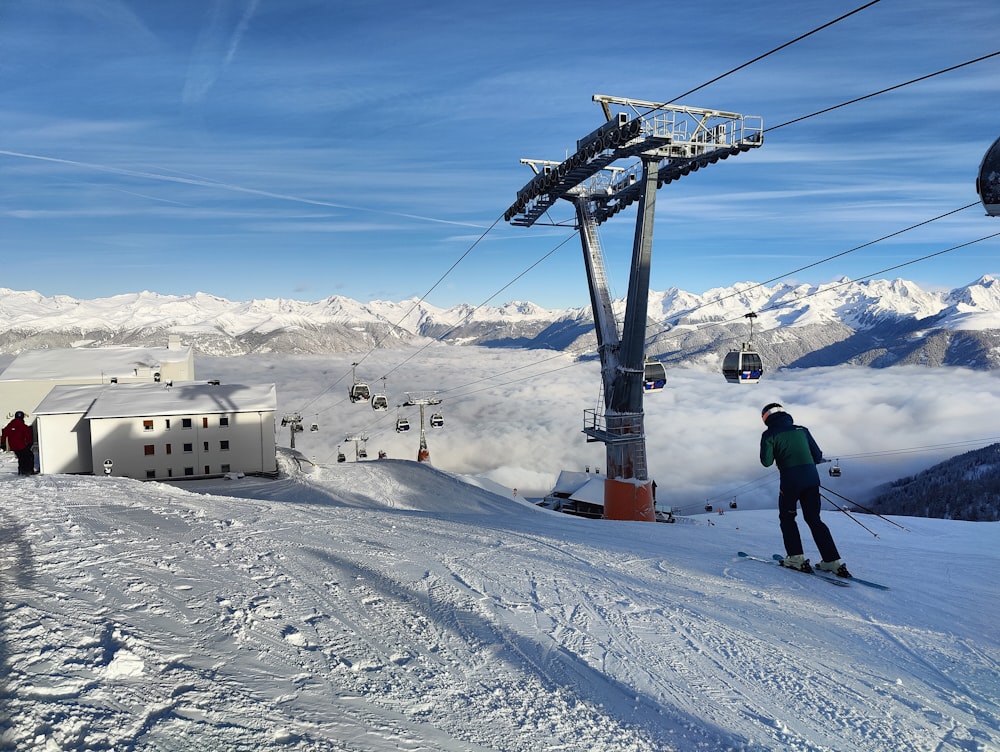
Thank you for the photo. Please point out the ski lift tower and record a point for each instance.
(661, 143)
(421, 400)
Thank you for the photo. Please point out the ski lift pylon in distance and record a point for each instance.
(743, 366)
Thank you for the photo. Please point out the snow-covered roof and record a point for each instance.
(65, 399)
(138, 400)
(591, 492)
(85, 362)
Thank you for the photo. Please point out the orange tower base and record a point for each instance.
(628, 500)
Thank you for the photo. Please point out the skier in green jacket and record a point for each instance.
(796, 453)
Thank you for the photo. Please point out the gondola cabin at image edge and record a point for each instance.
(654, 375)
(988, 180)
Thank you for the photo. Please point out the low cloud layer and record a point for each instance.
(516, 417)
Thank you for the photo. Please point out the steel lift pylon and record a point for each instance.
(664, 142)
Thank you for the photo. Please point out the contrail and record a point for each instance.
(203, 183)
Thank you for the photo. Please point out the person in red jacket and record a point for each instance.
(18, 438)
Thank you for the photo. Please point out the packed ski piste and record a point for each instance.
(388, 605)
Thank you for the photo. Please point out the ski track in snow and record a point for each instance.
(387, 605)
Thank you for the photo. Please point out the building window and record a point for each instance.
(225, 467)
(205, 446)
(224, 421)
(204, 422)
(150, 474)
(224, 445)
(189, 447)
(207, 470)
(148, 449)
(170, 472)
(186, 423)
(189, 471)
(169, 448)
(166, 424)
(147, 425)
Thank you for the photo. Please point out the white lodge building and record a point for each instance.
(158, 431)
(30, 376)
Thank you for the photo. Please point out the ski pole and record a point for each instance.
(827, 498)
(864, 509)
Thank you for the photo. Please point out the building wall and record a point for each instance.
(66, 442)
(184, 446)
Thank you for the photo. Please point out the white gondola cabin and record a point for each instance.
(988, 180)
(654, 376)
(742, 366)
(402, 424)
(437, 420)
(835, 469)
(379, 402)
(359, 391)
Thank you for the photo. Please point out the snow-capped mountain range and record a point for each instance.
(875, 322)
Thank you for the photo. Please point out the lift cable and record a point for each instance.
(881, 91)
(795, 120)
(776, 49)
(779, 306)
(417, 302)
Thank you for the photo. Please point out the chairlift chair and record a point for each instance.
(654, 375)
(988, 180)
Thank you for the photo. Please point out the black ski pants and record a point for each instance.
(809, 499)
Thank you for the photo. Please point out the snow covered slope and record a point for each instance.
(391, 606)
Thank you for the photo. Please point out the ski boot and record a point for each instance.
(798, 561)
(837, 567)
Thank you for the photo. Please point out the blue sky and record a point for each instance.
(302, 149)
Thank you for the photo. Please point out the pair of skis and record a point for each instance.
(823, 575)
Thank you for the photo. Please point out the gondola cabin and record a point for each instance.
(360, 392)
(988, 180)
(835, 470)
(314, 427)
(654, 376)
(402, 424)
(341, 457)
(742, 366)
(380, 402)
(437, 420)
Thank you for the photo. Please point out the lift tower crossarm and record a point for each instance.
(683, 139)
